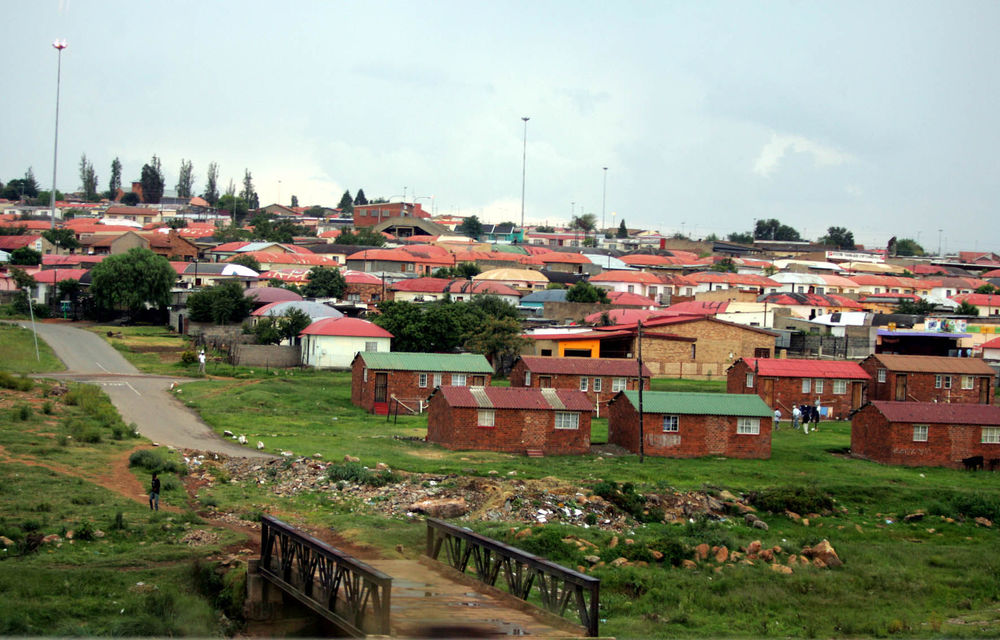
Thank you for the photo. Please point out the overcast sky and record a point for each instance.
(878, 116)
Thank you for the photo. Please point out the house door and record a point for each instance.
(767, 391)
(984, 391)
(544, 382)
(900, 387)
(381, 386)
(856, 394)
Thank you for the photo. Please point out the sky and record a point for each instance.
(880, 117)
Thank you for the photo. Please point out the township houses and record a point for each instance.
(35, 242)
(333, 342)
(839, 385)
(987, 303)
(645, 284)
(690, 425)
(396, 263)
(716, 280)
(378, 378)
(929, 379)
(599, 378)
(928, 434)
(532, 421)
(429, 289)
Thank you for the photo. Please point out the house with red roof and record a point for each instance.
(142, 215)
(332, 343)
(838, 385)
(35, 242)
(535, 422)
(987, 303)
(810, 305)
(271, 260)
(991, 350)
(397, 263)
(893, 284)
(380, 380)
(642, 283)
(429, 289)
(599, 378)
(370, 215)
(716, 280)
(940, 379)
(918, 434)
(566, 262)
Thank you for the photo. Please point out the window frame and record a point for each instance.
(989, 435)
(818, 385)
(674, 425)
(947, 382)
(371, 346)
(422, 380)
(584, 383)
(486, 418)
(750, 380)
(880, 375)
(920, 432)
(839, 387)
(968, 382)
(746, 426)
(527, 378)
(806, 385)
(598, 385)
(562, 417)
(619, 383)
(459, 380)
(938, 378)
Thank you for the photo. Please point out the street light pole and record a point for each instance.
(604, 198)
(524, 164)
(939, 242)
(59, 45)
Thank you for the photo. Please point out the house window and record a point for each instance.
(365, 373)
(409, 267)
(567, 420)
(839, 387)
(458, 379)
(947, 382)
(631, 288)
(748, 426)
(670, 424)
(694, 350)
(881, 375)
(749, 381)
(937, 382)
(991, 435)
(806, 384)
(920, 433)
(487, 418)
(527, 378)
(371, 346)
(354, 297)
(967, 382)
(583, 383)
(598, 385)
(422, 380)
(617, 384)
(437, 379)
(547, 352)
(818, 386)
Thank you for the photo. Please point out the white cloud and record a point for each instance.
(774, 151)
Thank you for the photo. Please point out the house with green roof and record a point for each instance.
(691, 425)
(379, 380)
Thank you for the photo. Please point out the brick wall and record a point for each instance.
(696, 436)
(369, 293)
(718, 346)
(267, 355)
(921, 387)
(404, 385)
(787, 392)
(566, 381)
(874, 438)
(515, 430)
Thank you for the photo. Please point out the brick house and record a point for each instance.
(599, 378)
(927, 433)
(691, 425)
(377, 378)
(929, 379)
(532, 421)
(783, 383)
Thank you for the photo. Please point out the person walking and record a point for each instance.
(796, 415)
(815, 415)
(201, 361)
(777, 419)
(805, 419)
(154, 493)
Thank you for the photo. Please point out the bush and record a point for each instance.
(47, 407)
(356, 473)
(626, 499)
(17, 383)
(85, 531)
(189, 357)
(22, 412)
(967, 505)
(152, 461)
(796, 499)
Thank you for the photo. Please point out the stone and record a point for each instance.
(780, 568)
(825, 552)
(727, 496)
(6, 542)
(793, 515)
(381, 466)
(592, 559)
(760, 524)
(629, 541)
(441, 507)
(98, 533)
(754, 547)
(983, 522)
(792, 560)
(52, 537)
(913, 517)
(805, 522)
(688, 564)
(721, 554)
(701, 551)
(766, 555)
(350, 458)
(818, 563)
(399, 548)
(523, 533)
(619, 562)
(657, 555)
(613, 543)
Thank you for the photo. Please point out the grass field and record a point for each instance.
(18, 348)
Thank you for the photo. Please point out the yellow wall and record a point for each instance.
(593, 345)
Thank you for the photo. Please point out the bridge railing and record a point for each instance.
(348, 592)
(558, 587)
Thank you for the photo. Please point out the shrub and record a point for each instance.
(626, 499)
(356, 473)
(968, 505)
(796, 499)
(85, 531)
(17, 383)
(22, 412)
(152, 461)
(189, 357)
(118, 524)
(47, 407)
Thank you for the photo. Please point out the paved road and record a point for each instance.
(140, 398)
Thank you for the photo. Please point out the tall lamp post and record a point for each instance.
(524, 164)
(604, 198)
(59, 45)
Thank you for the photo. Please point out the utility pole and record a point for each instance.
(524, 164)
(642, 434)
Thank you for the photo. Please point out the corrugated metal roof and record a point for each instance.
(705, 404)
(939, 413)
(791, 368)
(934, 364)
(584, 366)
(398, 361)
(517, 398)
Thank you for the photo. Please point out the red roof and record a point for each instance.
(792, 368)
(516, 398)
(732, 278)
(991, 344)
(9, 243)
(928, 270)
(978, 299)
(263, 295)
(353, 327)
(627, 276)
(584, 366)
(645, 260)
(939, 412)
(634, 299)
(236, 245)
(37, 225)
(360, 277)
(619, 316)
(559, 257)
(697, 308)
(51, 259)
(271, 257)
(422, 285)
(52, 276)
(994, 273)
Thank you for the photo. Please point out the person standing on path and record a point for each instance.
(806, 412)
(796, 414)
(777, 419)
(154, 494)
(815, 415)
(201, 361)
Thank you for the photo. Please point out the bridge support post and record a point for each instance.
(270, 613)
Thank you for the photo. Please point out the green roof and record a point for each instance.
(509, 248)
(715, 404)
(399, 361)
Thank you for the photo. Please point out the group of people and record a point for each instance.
(804, 414)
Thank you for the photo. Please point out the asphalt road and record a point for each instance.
(140, 398)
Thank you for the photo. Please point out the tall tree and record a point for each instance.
(152, 181)
(211, 194)
(132, 280)
(115, 182)
(585, 222)
(583, 291)
(742, 237)
(25, 256)
(30, 184)
(89, 179)
(471, 227)
(908, 247)
(130, 198)
(185, 179)
(346, 202)
(967, 309)
(839, 237)
(247, 193)
(364, 236)
(325, 282)
(295, 201)
(622, 230)
(359, 198)
(62, 237)
(772, 229)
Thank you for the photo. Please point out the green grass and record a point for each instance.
(679, 384)
(18, 348)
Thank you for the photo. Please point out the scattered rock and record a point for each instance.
(381, 466)
(766, 555)
(199, 537)
(523, 533)
(629, 541)
(592, 559)
(350, 458)
(794, 516)
(442, 507)
(754, 548)
(983, 522)
(780, 568)
(6, 542)
(913, 517)
(721, 554)
(701, 552)
(727, 496)
(688, 564)
(825, 553)
(619, 562)
(657, 555)
(613, 543)
(52, 537)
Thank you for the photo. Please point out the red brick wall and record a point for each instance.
(787, 392)
(874, 438)
(515, 430)
(564, 381)
(369, 293)
(716, 342)
(401, 384)
(920, 386)
(697, 436)
(368, 216)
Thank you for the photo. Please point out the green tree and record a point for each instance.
(741, 237)
(544, 228)
(222, 304)
(69, 289)
(230, 233)
(499, 339)
(585, 222)
(325, 282)
(295, 321)
(464, 270)
(130, 198)
(89, 179)
(346, 202)
(19, 230)
(211, 194)
(915, 307)
(365, 236)
(24, 188)
(839, 237)
(583, 291)
(967, 309)
(267, 331)
(359, 198)
(726, 265)
(177, 223)
(490, 306)
(132, 280)
(235, 206)
(590, 242)
(25, 256)
(622, 229)
(908, 247)
(471, 227)
(185, 179)
(62, 237)
(772, 229)
(22, 279)
(987, 289)
(30, 184)
(247, 194)
(247, 261)
(115, 181)
(295, 201)
(152, 182)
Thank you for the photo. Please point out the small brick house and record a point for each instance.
(377, 378)
(599, 378)
(839, 385)
(927, 434)
(532, 421)
(691, 425)
(929, 379)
